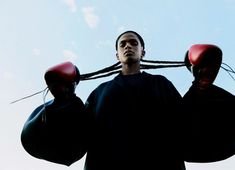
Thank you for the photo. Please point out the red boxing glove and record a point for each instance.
(201, 55)
(65, 72)
(62, 80)
(201, 52)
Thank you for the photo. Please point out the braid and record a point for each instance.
(89, 76)
(167, 62)
(116, 68)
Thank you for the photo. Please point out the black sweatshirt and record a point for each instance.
(131, 122)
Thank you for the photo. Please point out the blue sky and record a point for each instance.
(38, 34)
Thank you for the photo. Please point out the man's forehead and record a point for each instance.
(128, 36)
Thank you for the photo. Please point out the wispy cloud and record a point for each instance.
(91, 18)
(36, 51)
(121, 28)
(69, 55)
(71, 4)
(106, 43)
(7, 75)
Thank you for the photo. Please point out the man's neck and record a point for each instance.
(129, 69)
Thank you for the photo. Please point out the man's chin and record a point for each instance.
(131, 60)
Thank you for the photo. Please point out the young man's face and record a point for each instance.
(206, 75)
(62, 90)
(129, 49)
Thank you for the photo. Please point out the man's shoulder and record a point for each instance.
(155, 76)
(103, 85)
(221, 91)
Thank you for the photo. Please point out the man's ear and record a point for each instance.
(143, 54)
(117, 56)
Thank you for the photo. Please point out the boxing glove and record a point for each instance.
(64, 72)
(62, 79)
(201, 55)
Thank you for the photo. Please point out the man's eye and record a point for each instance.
(122, 44)
(134, 43)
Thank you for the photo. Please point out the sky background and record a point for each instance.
(38, 34)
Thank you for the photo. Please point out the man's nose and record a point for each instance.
(128, 45)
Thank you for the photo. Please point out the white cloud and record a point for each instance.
(91, 19)
(71, 4)
(106, 43)
(121, 28)
(7, 75)
(36, 51)
(69, 55)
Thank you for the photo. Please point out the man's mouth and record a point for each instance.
(127, 53)
(205, 81)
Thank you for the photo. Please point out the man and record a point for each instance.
(131, 122)
(211, 130)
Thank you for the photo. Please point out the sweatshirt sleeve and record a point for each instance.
(210, 128)
(57, 132)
